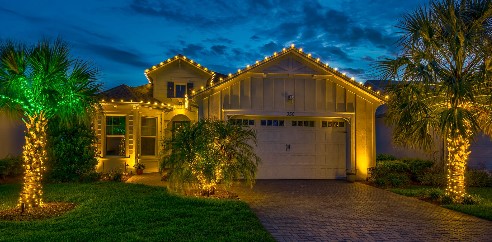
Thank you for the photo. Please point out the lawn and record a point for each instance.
(483, 210)
(131, 212)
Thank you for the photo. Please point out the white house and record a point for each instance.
(312, 122)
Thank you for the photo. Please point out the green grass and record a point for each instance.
(130, 212)
(483, 210)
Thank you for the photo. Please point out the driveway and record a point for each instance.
(327, 210)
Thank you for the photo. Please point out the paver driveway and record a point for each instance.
(326, 210)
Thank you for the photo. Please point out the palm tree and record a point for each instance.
(41, 82)
(445, 84)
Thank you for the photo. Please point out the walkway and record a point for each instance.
(327, 210)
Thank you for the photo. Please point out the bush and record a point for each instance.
(435, 179)
(434, 194)
(384, 157)
(71, 152)
(11, 166)
(472, 199)
(391, 173)
(418, 168)
(477, 178)
(112, 175)
(446, 199)
(207, 153)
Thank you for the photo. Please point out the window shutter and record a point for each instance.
(189, 88)
(170, 89)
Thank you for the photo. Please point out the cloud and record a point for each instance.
(269, 48)
(218, 40)
(353, 71)
(117, 55)
(311, 22)
(219, 49)
(209, 15)
(335, 54)
(32, 19)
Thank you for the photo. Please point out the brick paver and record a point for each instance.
(327, 210)
(331, 210)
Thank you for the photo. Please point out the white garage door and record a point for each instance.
(300, 148)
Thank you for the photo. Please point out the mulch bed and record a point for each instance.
(48, 210)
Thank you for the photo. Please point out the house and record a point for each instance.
(312, 121)
(13, 128)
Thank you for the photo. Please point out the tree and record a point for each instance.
(445, 86)
(210, 152)
(40, 82)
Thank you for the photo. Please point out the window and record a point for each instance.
(327, 124)
(115, 135)
(180, 90)
(272, 122)
(148, 136)
(243, 122)
(303, 123)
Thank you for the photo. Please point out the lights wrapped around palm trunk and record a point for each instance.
(458, 152)
(34, 155)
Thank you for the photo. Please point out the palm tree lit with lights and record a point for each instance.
(40, 82)
(445, 81)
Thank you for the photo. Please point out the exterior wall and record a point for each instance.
(480, 156)
(365, 138)
(12, 132)
(269, 94)
(133, 113)
(179, 72)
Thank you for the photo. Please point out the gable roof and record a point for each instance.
(298, 51)
(130, 94)
(178, 58)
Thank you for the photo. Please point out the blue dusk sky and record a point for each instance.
(123, 38)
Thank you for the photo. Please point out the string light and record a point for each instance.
(458, 151)
(300, 50)
(34, 156)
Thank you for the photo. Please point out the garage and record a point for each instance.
(312, 122)
(299, 148)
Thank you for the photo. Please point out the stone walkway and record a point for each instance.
(330, 210)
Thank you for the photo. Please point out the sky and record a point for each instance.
(123, 38)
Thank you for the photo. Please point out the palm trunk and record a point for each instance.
(458, 152)
(34, 155)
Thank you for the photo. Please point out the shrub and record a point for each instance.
(11, 166)
(477, 178)
(470, 199)
(384, 157)
(391, 173)
(435, 194)
(418, 168)
(207, 153)
(435, 179)
(446, 199)
(71, 151)
(112, 175)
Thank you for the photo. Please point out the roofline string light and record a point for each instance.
(317, 61)
(175, 58)
(144, 103)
